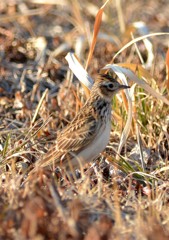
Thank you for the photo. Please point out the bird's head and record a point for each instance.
(106, 86)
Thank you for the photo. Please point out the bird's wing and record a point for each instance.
(78, 134)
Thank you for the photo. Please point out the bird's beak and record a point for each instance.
(124, 86)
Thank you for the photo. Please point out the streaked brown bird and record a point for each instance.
(88, 133)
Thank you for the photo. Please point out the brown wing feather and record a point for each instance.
(73, 138)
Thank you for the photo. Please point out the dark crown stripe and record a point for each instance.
(107, 76)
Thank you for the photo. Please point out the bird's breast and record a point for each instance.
(98, 144)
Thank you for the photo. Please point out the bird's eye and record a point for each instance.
(110, 86)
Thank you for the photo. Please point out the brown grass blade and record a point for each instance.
(95, 32)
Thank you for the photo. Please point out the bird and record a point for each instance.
(88, 134)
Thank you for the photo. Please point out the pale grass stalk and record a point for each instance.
(137, 131)
(136, 40)
(120, 16)
(137, 50)
(39, 105)
(143, 29)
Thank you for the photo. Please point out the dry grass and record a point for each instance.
(120, 197)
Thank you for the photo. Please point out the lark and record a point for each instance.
(88, 133)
